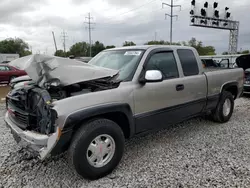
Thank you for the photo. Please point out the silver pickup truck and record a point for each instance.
(90, 109)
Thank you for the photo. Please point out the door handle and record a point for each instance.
(179, 87)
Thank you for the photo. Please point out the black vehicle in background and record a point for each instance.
(5, 62)
(244, 62)
(82, 59)
(208, 63)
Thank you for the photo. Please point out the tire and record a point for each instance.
(218, 114)
(79, 149)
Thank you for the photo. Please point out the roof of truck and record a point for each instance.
(145, 47)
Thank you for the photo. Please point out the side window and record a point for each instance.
(165, 62)
(188, 62)
(7, 68)
(2, 68)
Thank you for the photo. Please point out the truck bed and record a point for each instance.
(217, 77)
(215, 69)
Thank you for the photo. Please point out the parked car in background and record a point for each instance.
(82, 59)
(90, 108)
(4, 62)
(244, 62)
(5, 58)
(7, 73)
(209, 63)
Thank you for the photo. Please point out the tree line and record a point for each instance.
(82, 49)
(15, 46)
(241, 52)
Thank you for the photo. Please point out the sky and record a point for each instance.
(114, 21)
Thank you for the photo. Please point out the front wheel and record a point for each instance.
(96, 148)
(224, 109)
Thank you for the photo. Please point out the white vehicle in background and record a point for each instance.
(6, 58)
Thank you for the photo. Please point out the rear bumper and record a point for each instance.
(39, 144)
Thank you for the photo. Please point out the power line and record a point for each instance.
(124, 21)
(89, 18)
(171, 17)
(64, 37)
(131, 10)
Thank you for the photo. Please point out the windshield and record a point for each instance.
(125, 61)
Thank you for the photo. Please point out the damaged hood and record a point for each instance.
(243, 61)
(42, 68)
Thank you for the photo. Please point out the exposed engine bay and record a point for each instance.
(30, 106)
(60, 92)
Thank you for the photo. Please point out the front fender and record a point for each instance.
(79, 116)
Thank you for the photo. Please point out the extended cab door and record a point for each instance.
(176, 98)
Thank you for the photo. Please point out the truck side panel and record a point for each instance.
(217, 79)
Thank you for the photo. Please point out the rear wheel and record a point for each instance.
(224, 109)
(96, 148)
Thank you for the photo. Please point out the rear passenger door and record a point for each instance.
(195, 82)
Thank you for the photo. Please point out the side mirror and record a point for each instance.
(153, 76)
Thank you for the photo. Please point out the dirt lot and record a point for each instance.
(196, 153)
(4, 89)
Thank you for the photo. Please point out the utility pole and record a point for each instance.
(64, 36)
(155, 35)
(171, 17)
(54, 40)
(89, 18)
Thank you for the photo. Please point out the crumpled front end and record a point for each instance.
(39, 144)
(32, 119)
(42, 68)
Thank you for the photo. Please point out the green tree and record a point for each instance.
(96, 48)
(129, 43)
(26, 52)
(79, 49)
(17, 46)
(155, 42)
(109, 47)
(245, 52)
(202, 50)
(162, 42)
(60, 53)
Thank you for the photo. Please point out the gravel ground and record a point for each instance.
(197, 153)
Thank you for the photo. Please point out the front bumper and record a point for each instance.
(39, 144)
(246, 89)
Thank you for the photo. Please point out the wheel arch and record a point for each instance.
(231, 87)
(119, 113)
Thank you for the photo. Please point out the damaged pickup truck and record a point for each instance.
(90, 109)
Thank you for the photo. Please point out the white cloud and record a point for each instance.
(34, 20)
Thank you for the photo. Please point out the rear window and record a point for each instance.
(188, 62)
